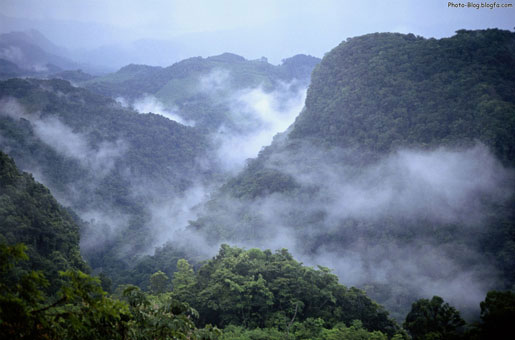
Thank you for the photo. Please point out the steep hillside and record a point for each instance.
(404, 152)
(382, 91)
(30, 215)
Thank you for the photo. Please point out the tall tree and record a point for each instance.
(433, 319)
(497, 315)
(159, 282)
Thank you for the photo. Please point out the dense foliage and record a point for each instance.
(433, 319)
(29, 214)
(380, 91)
(497, 315)
(82, 310)
(256, 288)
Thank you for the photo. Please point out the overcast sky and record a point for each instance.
(280, 28)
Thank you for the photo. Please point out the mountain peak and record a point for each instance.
(227, 57)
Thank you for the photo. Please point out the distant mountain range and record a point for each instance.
(107, 48)
(33, 53)
(200, 89)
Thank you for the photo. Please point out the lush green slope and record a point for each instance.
(381, 91)
(82, 310)
(29, 214)
(369, 98)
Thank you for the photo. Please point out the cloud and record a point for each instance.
(410, 271)
(100, 159)
(13, 54)
(10, 107)
(150, 104)
(102, 227)
(122, 101)
(254, 115)
(97, 160)
(214, 82)
(377, 222)
(178, 209)
(443, 185)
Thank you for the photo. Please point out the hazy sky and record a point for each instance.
(279, 27)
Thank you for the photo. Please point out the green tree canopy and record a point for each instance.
(256, 288)
(159, 283)
(433, 319)
(497, 315)
(29, 214)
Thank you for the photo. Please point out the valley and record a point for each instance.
(314, 199)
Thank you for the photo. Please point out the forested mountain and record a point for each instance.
(199, 89)
(102, 136)
(380, 92)
(404, 152)
(109, 164)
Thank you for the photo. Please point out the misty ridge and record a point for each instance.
(149, 104)
(254, 114)
(61, 138)
(254, 117)
(362, 162)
